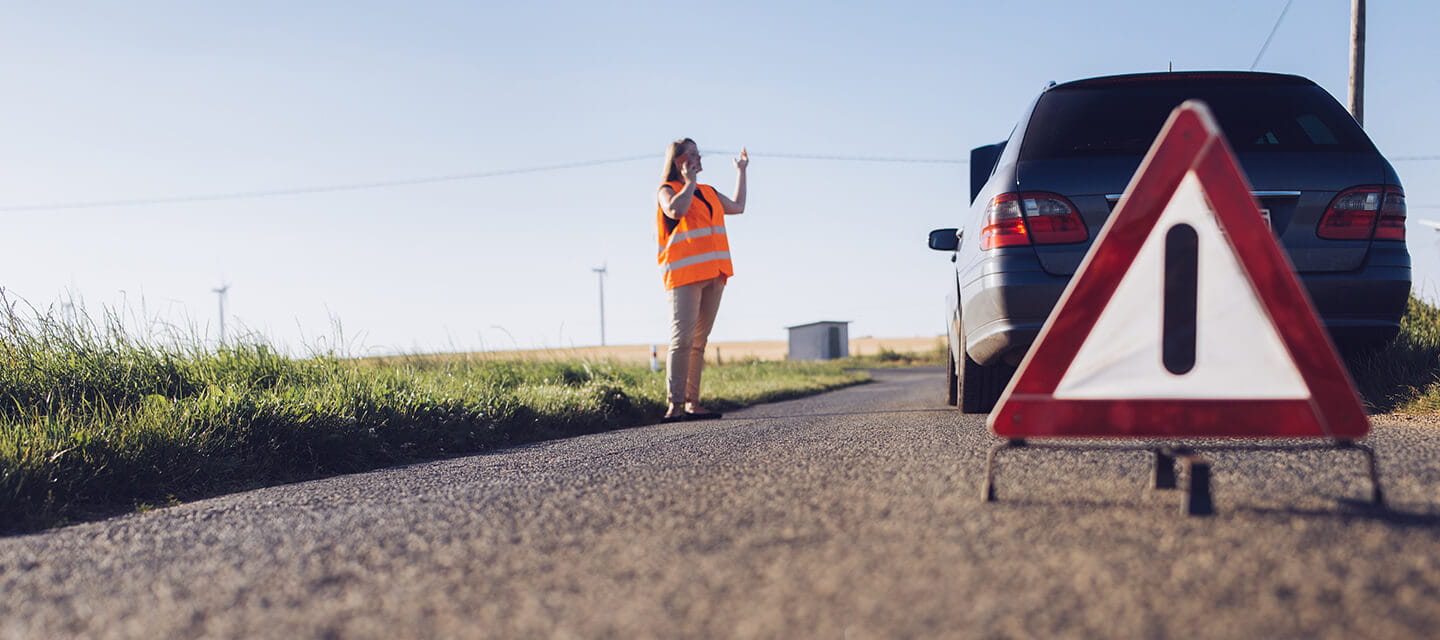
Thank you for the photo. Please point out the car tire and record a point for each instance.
(952, 381)
(980, 386)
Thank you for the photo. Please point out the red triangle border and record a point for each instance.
(1190, 141)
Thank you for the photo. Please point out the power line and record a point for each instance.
(1272, 34)
(810, 156)
(386, 184)
(270, 193)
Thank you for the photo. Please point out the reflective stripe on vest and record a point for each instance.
(693, 260)
(696, 248)
(693, 233)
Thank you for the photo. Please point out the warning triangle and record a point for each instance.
(1185, 318)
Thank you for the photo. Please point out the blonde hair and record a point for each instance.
(672, 172)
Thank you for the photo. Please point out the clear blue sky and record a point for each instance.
(145, 100)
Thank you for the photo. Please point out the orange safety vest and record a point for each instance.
(696, 249)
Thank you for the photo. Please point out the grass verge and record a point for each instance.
(95, 422)
(1402, 376)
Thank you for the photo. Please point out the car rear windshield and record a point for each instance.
(1119, 120)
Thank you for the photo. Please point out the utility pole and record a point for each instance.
(601, 272)
(221, 294)
(1357, 60)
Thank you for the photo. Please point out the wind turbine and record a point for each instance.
(220, 291)
(601, 271)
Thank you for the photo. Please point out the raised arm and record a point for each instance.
(738, 204)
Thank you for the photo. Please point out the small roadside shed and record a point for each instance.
(824, 340)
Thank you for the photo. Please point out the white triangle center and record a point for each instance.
(1238, 352)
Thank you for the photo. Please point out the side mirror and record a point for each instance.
(946, 239)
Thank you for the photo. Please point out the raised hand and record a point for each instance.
(742, 161)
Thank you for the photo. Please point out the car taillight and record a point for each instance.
(1392, 216)
(1004, 225)
(1018, 219)
(1353, 215)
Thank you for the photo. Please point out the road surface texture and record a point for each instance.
(852, 514)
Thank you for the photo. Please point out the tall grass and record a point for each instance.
(94, 420)
(1402, 376)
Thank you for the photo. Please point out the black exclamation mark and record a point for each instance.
(1181, 283)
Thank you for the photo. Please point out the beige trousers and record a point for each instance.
(692, 315)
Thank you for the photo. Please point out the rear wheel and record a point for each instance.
(981, 386)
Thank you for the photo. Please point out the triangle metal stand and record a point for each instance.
(1198, 500)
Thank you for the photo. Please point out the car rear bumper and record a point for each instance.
(1363, 308)
(1009, 298)
(1005, 303)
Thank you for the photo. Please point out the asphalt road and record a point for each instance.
(851, 514)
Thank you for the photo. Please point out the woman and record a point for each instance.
(695, 261)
